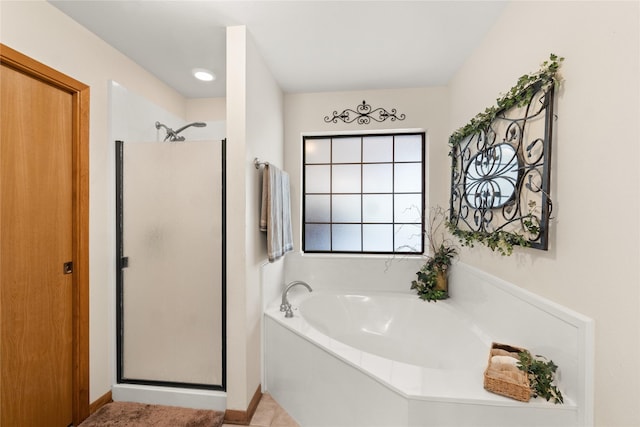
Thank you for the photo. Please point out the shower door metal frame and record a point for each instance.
(121, 264)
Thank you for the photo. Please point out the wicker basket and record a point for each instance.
(506, 380)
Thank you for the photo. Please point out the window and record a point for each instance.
(363, 193)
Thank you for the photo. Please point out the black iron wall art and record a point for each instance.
(501, 167)
(363, 114)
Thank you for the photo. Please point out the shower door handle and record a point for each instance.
(124, 262)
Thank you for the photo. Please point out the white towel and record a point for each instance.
(275, 213)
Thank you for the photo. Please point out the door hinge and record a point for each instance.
(68, 267)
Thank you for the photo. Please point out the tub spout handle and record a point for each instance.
(285, 306)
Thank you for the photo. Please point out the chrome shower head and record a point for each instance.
(173, 135)
(196, 124)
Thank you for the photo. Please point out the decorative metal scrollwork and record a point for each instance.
(363, 114)
(500, 175)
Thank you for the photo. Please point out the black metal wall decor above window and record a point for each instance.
(501, 168)
(363, 114)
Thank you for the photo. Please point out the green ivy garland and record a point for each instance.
(518, 96)
(542, 376)
(500, 241)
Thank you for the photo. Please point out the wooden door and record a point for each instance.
(39, 239)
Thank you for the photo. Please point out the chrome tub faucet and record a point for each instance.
(285, 306)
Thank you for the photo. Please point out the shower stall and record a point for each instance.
(170, 256)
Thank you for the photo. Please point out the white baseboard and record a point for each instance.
(184, 397)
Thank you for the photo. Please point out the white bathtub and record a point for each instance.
(388, 359)
(398, 327)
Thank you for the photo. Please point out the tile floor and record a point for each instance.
(269, 414)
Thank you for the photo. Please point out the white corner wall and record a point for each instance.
(592, 263)
(254, 129)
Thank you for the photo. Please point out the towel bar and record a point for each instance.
(258, 163)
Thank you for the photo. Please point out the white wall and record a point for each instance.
(255, 129)
(204, 109)
(425, 109)
(592, 263)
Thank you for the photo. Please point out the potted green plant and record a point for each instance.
(432, 282)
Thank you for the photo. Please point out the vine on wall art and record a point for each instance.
(501, 167)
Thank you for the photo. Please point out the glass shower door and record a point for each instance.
(171, 258)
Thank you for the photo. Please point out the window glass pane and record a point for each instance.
(346, 150)
(408, 208)
(346, 178)
(346, 208)
(317, 179)
(377, 208)
(346, 237)
(377, 178)
(408, 178)
(408, 238)
(408, 148)
(317, 237)
(317, 208)
(317, 151)
(377, 238)
(377, 149)
(363, 193)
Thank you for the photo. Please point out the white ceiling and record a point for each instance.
(310, 46)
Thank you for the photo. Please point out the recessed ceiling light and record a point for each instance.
(203, 74)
